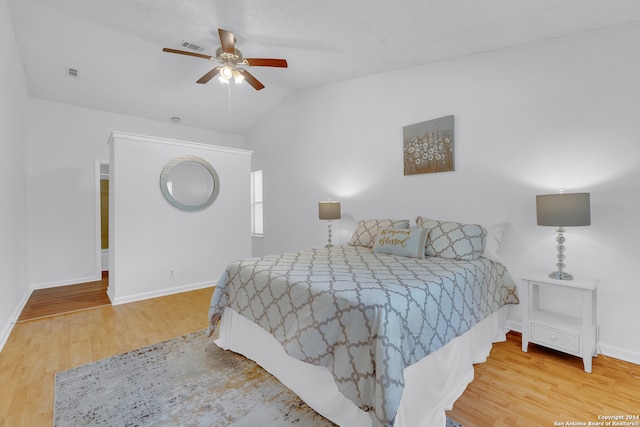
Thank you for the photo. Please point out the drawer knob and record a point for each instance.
(553, 337)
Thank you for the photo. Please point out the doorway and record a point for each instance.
(102, 217)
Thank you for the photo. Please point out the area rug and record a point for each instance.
(186, 381)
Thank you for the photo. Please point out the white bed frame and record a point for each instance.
(432, 385)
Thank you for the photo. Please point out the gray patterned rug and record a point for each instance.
(186, 381)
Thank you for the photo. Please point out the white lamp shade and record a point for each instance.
(329, 210)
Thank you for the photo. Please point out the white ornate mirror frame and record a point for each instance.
(189, 183)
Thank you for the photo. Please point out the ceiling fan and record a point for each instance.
(230, 58)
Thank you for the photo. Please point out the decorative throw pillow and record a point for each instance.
(453, 240)
(407, 242)
(367, 230)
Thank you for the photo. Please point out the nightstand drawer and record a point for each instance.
(554, 338)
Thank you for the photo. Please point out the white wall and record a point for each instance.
(63, 144)
(150, 237)
(13, 95)
(532, 120)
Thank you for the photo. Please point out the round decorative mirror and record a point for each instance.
(189, 183)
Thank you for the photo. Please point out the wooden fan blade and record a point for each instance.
(211, 74)
(227, 41)
(250, 79)
(184, 52)
(266, 62)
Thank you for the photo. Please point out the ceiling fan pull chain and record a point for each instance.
(229, 104)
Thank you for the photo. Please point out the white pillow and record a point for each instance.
(407, 242)
(494, 237)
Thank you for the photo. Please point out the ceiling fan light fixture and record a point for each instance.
(226, 73)
(237, 76)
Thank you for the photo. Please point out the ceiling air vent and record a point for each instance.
(191, 46)
(72, 72)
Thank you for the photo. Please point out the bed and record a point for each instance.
(367, 335)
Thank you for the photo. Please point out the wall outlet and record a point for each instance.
(172, 273)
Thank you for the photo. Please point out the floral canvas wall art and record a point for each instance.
(429, 146)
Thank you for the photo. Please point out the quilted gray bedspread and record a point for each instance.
(362, 315)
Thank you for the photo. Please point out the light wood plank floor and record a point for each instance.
(512, 388)
(544, 387)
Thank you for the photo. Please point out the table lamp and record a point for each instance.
(328, 211)
(563, 210)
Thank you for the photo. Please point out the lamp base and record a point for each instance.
(329, 245)
(560, 275)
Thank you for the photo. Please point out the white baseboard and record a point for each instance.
(76, 281)
(110, 294)
(6, 330)
(514, 325)
(157, 293)
(619, 353)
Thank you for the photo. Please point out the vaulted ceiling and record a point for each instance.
(116, 46)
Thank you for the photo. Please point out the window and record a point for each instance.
(256, 203)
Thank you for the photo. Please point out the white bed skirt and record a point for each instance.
(432, 385)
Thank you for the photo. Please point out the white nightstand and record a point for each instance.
(569, 334)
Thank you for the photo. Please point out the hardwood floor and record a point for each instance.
(546, 388)
(65, 299)
(538, 388)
